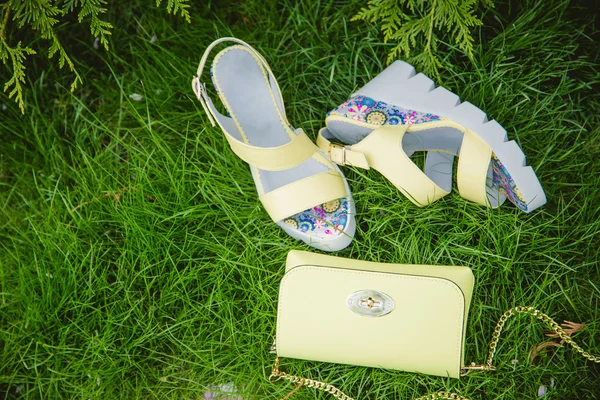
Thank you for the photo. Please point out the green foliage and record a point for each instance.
(137, 262)
(418, 25)
(42, 17)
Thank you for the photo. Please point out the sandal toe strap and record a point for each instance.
(277, 158)
(304, 194)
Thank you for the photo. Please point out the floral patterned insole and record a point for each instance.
(325, 221)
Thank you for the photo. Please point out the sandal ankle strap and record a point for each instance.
(200, 88)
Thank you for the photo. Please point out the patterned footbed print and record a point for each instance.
(325, 221)
(506, 185)
(367, 110)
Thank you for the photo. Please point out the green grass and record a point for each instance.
(171, 286)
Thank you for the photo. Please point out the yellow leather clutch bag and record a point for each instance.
(396, 316)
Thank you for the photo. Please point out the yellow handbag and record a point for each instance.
(396, 316)
(403, 317)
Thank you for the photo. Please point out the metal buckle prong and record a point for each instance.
(337, 153)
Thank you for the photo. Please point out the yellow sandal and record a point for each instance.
(399, 112)
(301, 190)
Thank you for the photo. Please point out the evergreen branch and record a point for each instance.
(42, 16)
(429, 63)
(174, 6)
(413, 24)
(407, 37)
(39, 14)
(431, 24)
(92, 8)
(458, 18)
(5, 20)
(17, 57)
(63, 58)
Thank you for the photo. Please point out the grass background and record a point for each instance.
(167, 284)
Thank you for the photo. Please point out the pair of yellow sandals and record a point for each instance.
(393, 116)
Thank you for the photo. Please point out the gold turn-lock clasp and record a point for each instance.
(370, 303)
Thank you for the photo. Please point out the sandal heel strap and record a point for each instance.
(200, 88)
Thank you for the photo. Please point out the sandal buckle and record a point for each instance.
(337, 153)
(198, 87)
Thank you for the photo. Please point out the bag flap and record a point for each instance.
(423, 332)
(461, 276)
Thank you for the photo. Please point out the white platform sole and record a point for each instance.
(399, 84)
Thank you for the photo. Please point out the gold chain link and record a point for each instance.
(442, 395)
(338, 394)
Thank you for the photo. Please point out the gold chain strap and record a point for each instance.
(311, 383)
(562, 334)
(338, 394)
